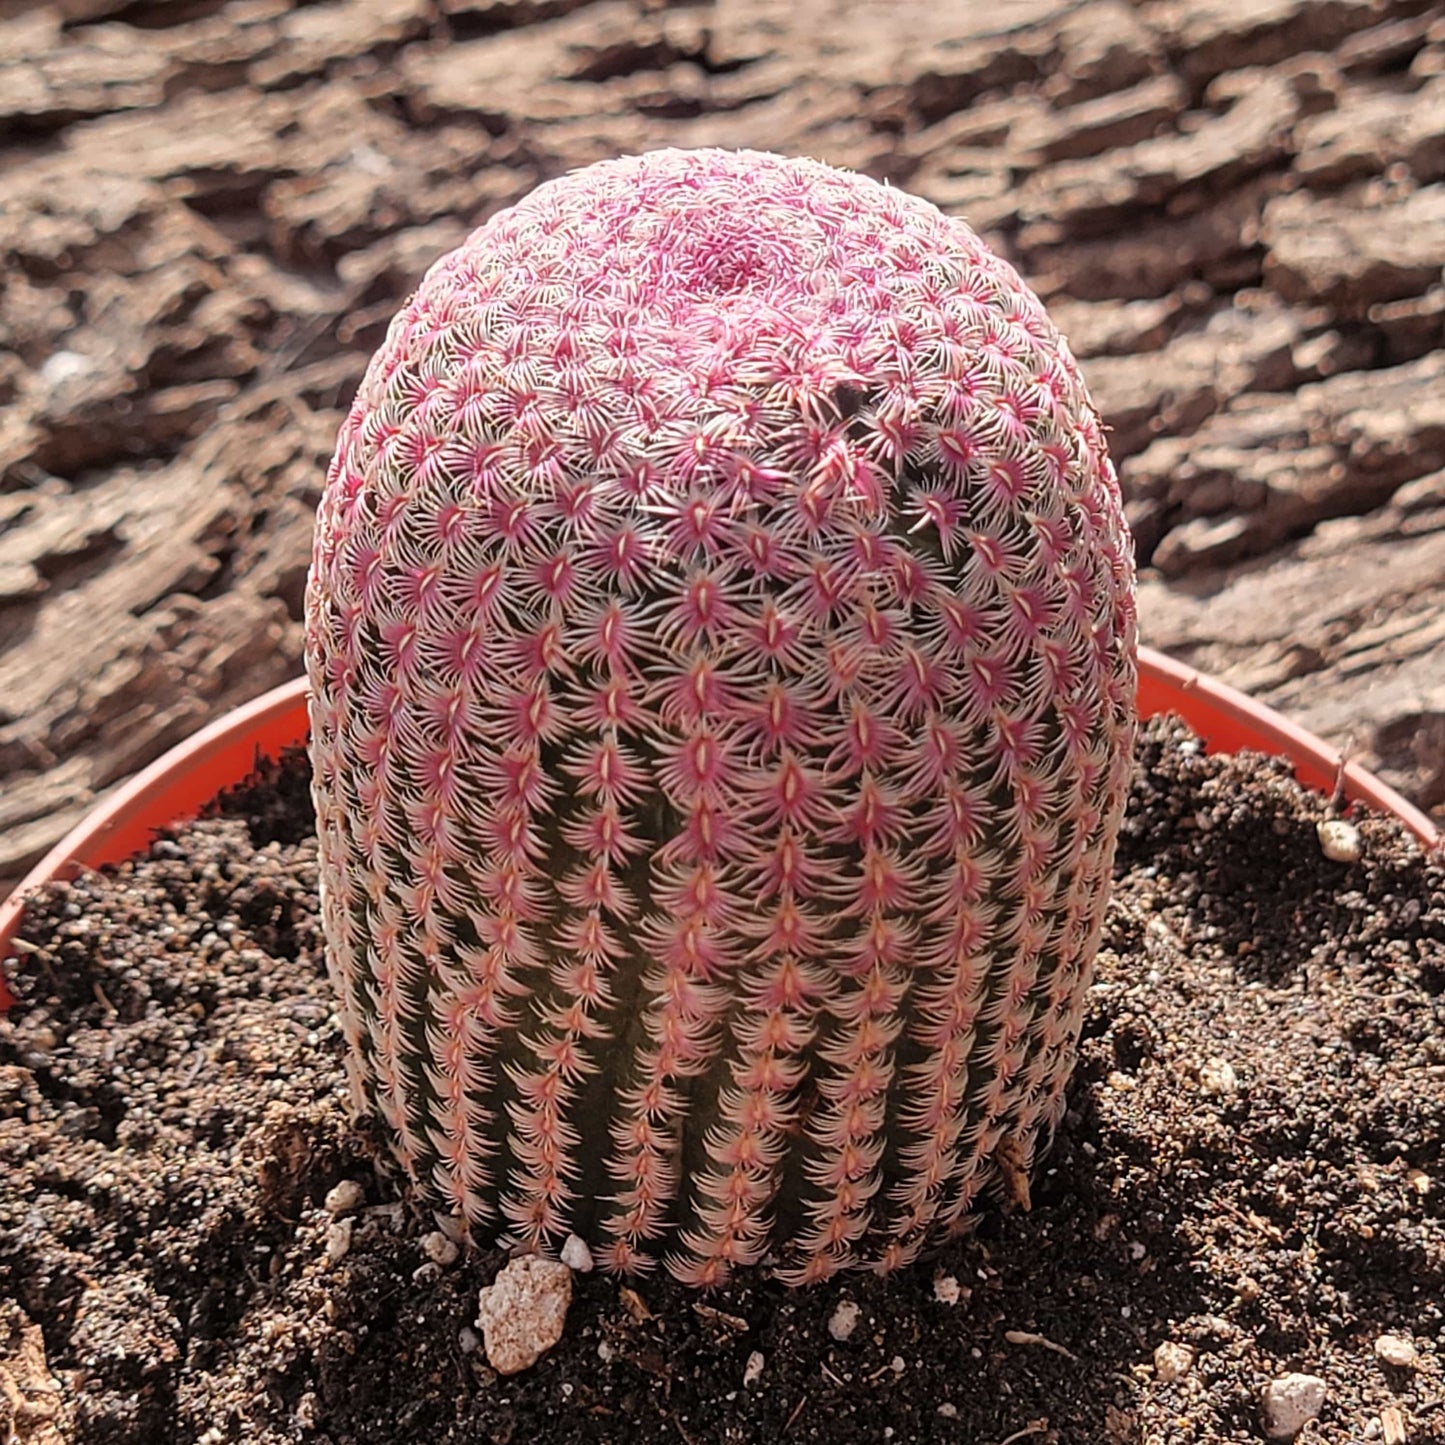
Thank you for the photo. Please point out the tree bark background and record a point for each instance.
(1235, 210)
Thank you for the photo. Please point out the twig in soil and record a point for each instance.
(1250, 1220)
(635, 1305)
(1027, 1337)
(102, 1000)
(797, 1410)
(1008, 1157)
(733, 1322)
(1337, 793)
(1034, 1427)
(24, 947)
(678, 1426)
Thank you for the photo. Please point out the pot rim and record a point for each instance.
(182, 781)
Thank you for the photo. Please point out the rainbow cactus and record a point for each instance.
(720, 635)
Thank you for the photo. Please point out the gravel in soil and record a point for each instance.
(1248, 1182)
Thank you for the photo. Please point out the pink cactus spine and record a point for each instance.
(720, 635)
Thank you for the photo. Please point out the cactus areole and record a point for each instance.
(720, 636)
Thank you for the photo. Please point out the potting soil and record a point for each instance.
(1249, 1182)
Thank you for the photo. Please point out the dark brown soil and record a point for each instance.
(171, 1118)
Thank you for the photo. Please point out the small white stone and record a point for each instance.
(1339, 841)
(1172, 1361)
(576, 1255)
(948, 1410)
(347, 1195)
(754, 1368)
(1396, 1350)
(338, 1241)
(897, 1365)
(605, 1350)
(522, 1312)
(1217, 1077)
(1290, 1403)
(440, 1250)
(62, 366)
(946, 1290)
(844, 1320)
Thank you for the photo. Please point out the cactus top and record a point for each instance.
(720, 632)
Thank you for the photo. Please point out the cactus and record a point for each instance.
(720, 633)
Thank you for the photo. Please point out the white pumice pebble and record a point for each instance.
(844, 1320)
(1339, 841)
(1290, 1403)
(754, 1368)
(1396, 1350)
(440, 1250)
(1172, 1361)
(338, 1241)
(576, 1255)
(523, 1311)
(345, 1197)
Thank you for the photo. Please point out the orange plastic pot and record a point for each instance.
(178, 785)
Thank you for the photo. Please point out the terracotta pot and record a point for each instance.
(176, 786)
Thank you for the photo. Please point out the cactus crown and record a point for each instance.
(720, 634)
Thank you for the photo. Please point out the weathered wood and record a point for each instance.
(209, 215)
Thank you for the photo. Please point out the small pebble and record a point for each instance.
(576, 1255)
(345, 1197)
(948, 1410)
(1339, 841)
(946, 1289)
(754, 1368)
(1392, 1426)
(897, 1365)
(844, 1320)
(338, 1241)
(1217, 1077)
(1290, 1403)
(440, 1250)
(1396, 1350)
(1172, 1361)
(523, 1311)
